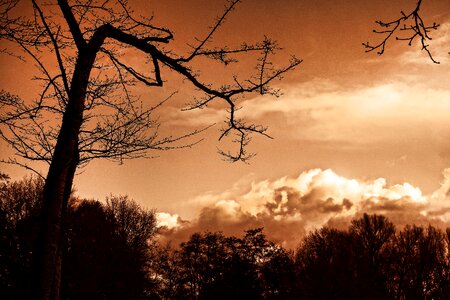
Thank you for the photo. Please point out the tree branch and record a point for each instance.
(55, 47)
(221, 19)
(73, 25)
(418, 29)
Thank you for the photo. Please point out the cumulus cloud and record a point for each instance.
(288, 208)
(167, 220)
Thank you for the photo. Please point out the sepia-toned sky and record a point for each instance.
(353, 131)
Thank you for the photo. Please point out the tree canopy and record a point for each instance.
(111, 251)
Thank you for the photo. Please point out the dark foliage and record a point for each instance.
(106, 255)
(106, 250)
(323, 266)
(213, 266)
(373, 261)
(19, 206)
(110, 253)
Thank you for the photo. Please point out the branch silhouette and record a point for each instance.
(411, 26)
(87, 109)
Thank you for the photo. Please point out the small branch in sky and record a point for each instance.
(412, 24)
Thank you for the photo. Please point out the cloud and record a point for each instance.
(167, 220)
(381, 113)
(288, 208)
(324, 112)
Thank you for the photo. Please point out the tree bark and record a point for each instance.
(58, 185)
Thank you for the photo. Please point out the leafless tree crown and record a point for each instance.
(117, 125)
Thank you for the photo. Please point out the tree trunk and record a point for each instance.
(58, 186)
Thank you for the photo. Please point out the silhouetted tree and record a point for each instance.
(213, 266)
(420, 264)
(21, 199)
(373, 236)
(278, 273)
(20, 203)
(167, 274)
(323, 265)
(107, 250)
(136, 229)
(90, 79)
(446, 274)
(110, 253)
(354, 264)
(106, 253)
(89, 256)
(270, 267)
(132, 223)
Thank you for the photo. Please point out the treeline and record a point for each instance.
(111, 252)
(106, 246)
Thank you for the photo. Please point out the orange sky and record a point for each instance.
(361, 115)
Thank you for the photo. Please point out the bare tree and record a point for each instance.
(408, 27)
(86, 108)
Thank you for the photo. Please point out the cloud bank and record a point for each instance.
(355, 115)
(289, 208)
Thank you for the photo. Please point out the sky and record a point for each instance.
(353, 132)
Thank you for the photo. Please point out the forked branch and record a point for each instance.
(414, 27)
